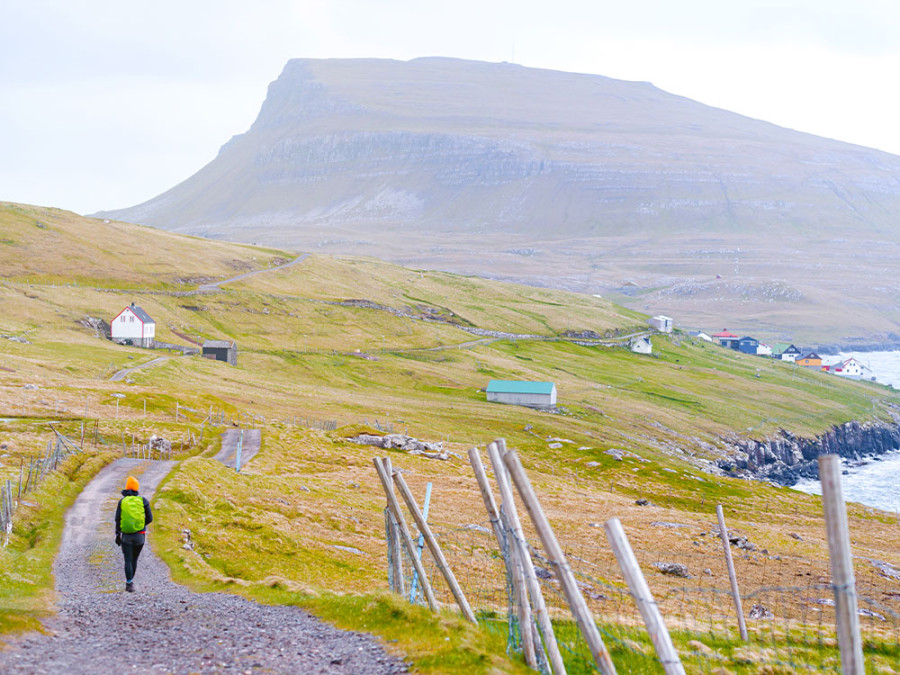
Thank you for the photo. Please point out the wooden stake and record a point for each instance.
(496, 451)
(841, 558)
(397, 557)
(515, 568)
(729, 562)
(435, 549)
(394, 506)
(579, 607)
(643, 598)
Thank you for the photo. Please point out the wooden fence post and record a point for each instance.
(841, 559)
(524, 556)
(579, 607)
(729, 562)
(435, 549)
(397, 559)
(394, 506)
(515, 569)
(643, 598)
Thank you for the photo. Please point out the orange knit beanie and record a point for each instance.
(132, 483)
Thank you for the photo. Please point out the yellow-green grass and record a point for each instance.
(51, 245)
(297, 358)
(26, 563)
(281, 532)
(470, 301)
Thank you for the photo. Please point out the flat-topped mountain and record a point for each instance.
(570, 180)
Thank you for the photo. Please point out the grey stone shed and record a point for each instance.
(221, 350)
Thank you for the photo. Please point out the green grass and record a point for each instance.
(271, 531)
(26, 563)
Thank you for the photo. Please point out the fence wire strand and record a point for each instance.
(790, 619)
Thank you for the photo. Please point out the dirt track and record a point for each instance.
(249, 439)
(163, 627)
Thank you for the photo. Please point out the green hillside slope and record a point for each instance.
(346, 342)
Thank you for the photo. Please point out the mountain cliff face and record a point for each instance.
(578, 181)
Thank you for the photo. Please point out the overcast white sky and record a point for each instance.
(107, 103)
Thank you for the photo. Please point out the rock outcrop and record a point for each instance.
(786, 458)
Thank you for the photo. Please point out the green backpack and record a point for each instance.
(132, 514)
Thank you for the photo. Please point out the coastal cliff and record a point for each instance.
(786, 458)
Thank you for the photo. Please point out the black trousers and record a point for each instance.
(131, 553)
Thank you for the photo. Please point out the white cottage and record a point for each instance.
(661, 323)
(642, 345)
(133, 326)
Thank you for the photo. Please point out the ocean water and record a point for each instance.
(875, 482)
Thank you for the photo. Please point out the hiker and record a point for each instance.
(132, 517)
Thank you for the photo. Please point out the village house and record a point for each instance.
(785, 351)
(521, 392)
(641, 345)
(133, 326)
(763, 350)
(811, 360)
(852, 368)
(726, 339)
(700, 335)
(661, 323)
(747, 345)
(221, 350)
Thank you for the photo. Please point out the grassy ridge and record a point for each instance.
(273, 531)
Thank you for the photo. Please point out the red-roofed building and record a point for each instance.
(726, 339)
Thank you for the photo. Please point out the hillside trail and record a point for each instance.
(120, 375)
(164, 627)
(249, 440)
(214, 286)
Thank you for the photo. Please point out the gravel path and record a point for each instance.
(163, 627)
(120, 375)
(252, 438)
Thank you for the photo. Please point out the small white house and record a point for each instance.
(762, 349)
(852, 368)
(700, 335)
(133, 326)
(661, 323)
(642, 345)
(520, 392)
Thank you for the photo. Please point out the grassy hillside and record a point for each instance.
(357, 340)
(49, 245)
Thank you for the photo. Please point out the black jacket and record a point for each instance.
(133, 537)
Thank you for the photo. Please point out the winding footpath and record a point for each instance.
(163, 627)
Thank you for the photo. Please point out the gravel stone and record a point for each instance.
(163, 627)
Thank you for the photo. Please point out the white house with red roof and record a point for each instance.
(133, 326)
(852, 368)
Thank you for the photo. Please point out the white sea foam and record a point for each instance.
(875, 483)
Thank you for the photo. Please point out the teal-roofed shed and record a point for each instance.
(522, 392)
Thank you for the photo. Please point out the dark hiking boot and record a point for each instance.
(129, 586)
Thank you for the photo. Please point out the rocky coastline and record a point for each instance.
(786, 458)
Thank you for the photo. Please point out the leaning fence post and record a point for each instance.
(579, 607)
(515, 569)
(841, 559)
(729, 562)
(421, 543)
(435, 549)
(394, 544)
(524, 556)
(394, 506)
(643, 598)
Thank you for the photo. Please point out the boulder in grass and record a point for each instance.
(758, 612)
(673, 569)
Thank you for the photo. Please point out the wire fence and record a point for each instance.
(788, 602)
(30, 477)
(792, 628)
